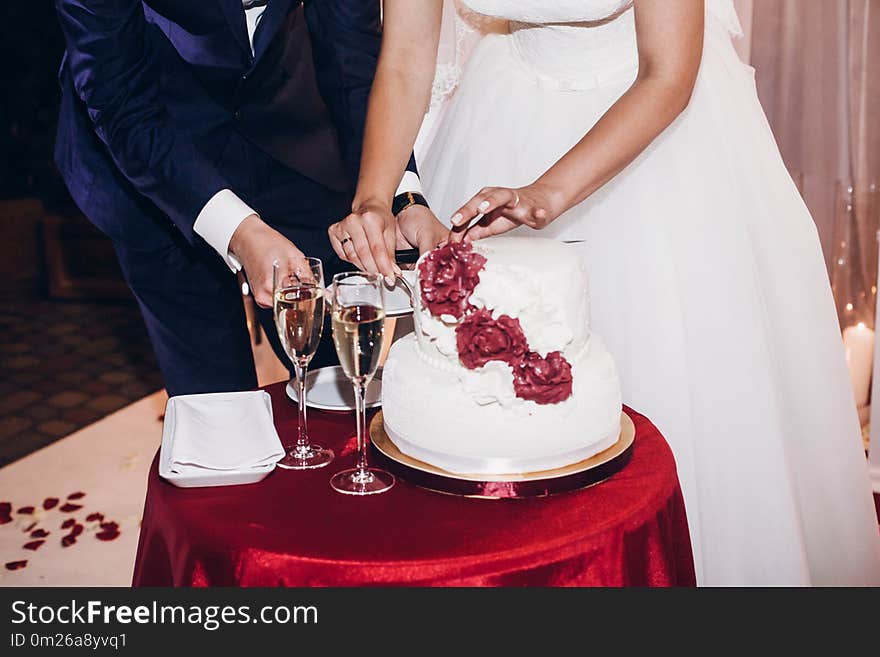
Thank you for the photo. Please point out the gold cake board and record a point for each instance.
(571, 477)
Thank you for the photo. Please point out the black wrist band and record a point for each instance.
(402, 201)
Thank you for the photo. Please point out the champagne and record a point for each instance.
(299, 318)
(358, 332)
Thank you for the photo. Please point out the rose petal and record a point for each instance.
(92, 517)
(68, 540)
(76, 530)
(29, 527)
(26, 510)
(70, 522)
(33, 545)
(16, 565)
(39, 533)
(76, 496)
(50, 503)
(107, 535)
(70, 508)
(109, 531)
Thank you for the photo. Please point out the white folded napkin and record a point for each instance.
(221, 432)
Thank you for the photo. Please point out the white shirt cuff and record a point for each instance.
(409, 183)
(217, 222)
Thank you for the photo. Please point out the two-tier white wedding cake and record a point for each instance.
(502, 374)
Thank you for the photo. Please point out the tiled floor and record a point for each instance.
(64, 365)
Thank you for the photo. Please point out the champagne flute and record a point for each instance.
(358, 332)
(298, 305)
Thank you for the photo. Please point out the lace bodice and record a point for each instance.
(581, 11)
(578, 44)
(554, 11)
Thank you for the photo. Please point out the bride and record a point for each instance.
(634, 127)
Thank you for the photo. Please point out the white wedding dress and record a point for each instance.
(707, 283)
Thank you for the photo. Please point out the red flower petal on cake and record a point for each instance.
(26, 511)
(33, 545)
(70, 508)
(68, 540)
(109, 531)
(5, 512)
(29, 527)
(39, 533)
(543, 380)
(92, 517)
(76, 530)
(16, 565)
(76, 496)
(50, 503)
(70, 522)
(480, 338)
(448, 276)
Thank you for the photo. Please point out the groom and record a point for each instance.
(207, 137)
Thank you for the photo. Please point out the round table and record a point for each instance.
(292, 529)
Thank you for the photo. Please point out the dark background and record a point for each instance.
(72, 343)
(31, 46)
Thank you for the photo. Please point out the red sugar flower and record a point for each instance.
(448, 276)
(16, 565)
(76, 496)
(39, 533)
(543, 380)
(33, 545)
(50, 503)
(26, 510)
(480, 338)
(5, 512)
(68, 540)
(70, 522)
(70, 508)
(92, 517)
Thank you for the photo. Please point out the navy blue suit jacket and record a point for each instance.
(154, 90)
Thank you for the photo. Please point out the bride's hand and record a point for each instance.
(504, 209)
(367, 238)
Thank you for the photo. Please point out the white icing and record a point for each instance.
(441, 422)
(542, 283)
(466, 420)
(515, 291)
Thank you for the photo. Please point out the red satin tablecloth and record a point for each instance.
(292, 529)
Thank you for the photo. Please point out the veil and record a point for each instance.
(460, 32)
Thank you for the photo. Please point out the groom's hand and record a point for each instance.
(418, 227)
(257, 246)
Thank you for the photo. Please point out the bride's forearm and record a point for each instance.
(662, 90)
(397, 107)
(623, 132)
(399, 98)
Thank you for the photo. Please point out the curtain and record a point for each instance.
(818, 77)
(817, 67)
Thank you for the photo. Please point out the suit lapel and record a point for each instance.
(235, 16)
(269, 23)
